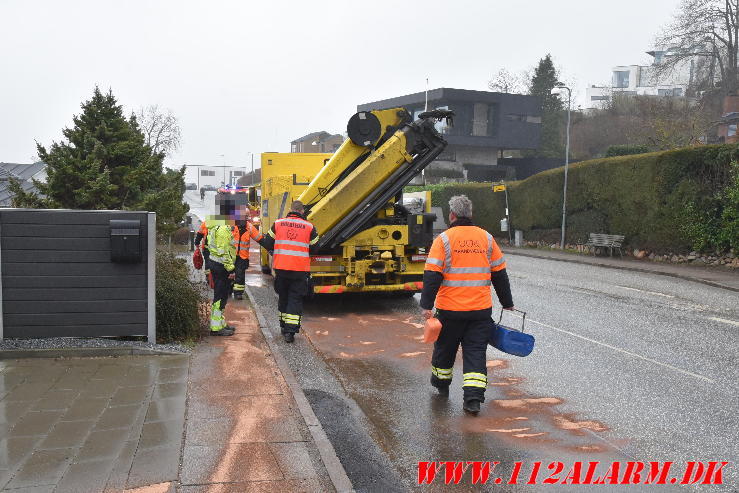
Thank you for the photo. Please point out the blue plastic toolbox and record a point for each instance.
(511, 341)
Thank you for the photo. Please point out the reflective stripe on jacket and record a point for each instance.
(292, 244)
(466, 256)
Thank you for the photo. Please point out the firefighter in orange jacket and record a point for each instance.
(243, 232)
(290, 240)
(462, 264)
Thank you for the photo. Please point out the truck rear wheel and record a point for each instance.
(266, 269)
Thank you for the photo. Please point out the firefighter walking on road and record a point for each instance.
(462, 264)
(290, 240)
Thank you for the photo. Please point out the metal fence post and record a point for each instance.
(151, 277)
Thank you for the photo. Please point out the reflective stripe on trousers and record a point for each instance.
(217, 319)
(441, 373)
(475, 380)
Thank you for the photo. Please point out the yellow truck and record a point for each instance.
(370, 239)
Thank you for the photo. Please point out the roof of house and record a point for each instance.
(22, 173)
(313, 136)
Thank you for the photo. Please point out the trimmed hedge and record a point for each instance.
(626, 150)
(671, 201)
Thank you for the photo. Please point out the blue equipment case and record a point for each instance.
(509, 340)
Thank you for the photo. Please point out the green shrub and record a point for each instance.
(626, 150)
(181, 307)
(664, 201)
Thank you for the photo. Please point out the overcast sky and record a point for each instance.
(245, 76)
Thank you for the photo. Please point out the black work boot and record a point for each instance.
(223, 332)
(289, 336)
(443, 389)
(238, 296)
(472, 406)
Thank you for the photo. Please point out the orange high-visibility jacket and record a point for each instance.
(466, 256)
(241, 240)
(292, 244)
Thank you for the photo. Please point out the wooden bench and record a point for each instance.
(606, 241)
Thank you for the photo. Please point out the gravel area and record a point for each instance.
(80, 342)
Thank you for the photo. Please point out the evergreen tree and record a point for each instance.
(545, 78)
(106, 164)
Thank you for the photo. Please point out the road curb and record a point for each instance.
(82, 352)
(626, 267)
(336, 471)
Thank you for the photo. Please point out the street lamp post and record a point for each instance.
(556, 90)
(252, 168)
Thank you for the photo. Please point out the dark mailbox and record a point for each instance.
(125, 240)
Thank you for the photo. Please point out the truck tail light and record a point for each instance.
(418, 258)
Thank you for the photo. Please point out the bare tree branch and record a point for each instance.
(161, 129)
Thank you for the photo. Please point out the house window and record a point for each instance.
(294, 148)
(677, 92)
(207, 172)
(621, 78)
(237, 173)
(599, 98)
(732, 130)
(664, 92)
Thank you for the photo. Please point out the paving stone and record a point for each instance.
(85, 477)
(67, 434)
(56, 400)
(110, 372)
(85, 409)
(165, 409)
(154, 465)
(28, 392)
(72, 382)
(118, 417)
(243, 429)
(243, 462)
(98, 389)
(119, 475)
(35, 423)
(168, 390)
(105, 444)
(168, 487)
(161, 433)
(11, 412)
(178, 374)
(13, 450)
(130, 395)
(33, 489)
(294, 460)
(44, 467)
(225, 406)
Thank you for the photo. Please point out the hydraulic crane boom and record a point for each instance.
(372, 170)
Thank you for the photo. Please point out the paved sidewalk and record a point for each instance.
(712, 276)
(91, 424)
(244, 432)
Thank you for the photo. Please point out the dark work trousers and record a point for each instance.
(473, 335)
(221, 286)
(290, 304)
(240, 274)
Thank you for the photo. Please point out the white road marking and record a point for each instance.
(674, 368)
(645, 291)
(724, 320)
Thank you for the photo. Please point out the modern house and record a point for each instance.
(647, 80)
(485, 125)
(24, 173)
(317, 142)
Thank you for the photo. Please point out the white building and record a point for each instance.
(645, 80)
(213, 176)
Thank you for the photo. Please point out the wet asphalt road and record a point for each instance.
(628, 366)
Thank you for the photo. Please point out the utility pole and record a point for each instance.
(556, 90)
